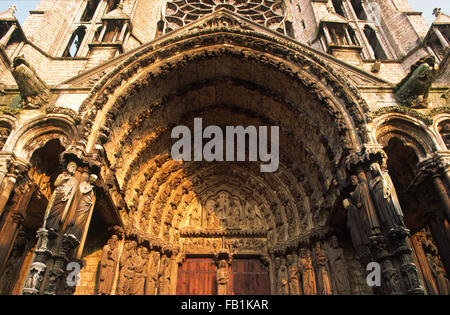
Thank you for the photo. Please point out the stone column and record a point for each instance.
(390, 278)
(438, 168)
(8, 185)
(440, 235)
(122, 33)
(399, 240)
(62, 257)
(391, 216)
(102, 33)
(443, 194)
(33, 281)
(13, 222)
(327, 35)
(387, 236)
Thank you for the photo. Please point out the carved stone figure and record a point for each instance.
(338, 265)
(294, 276)
(417, 83)
(34, 91)
(222, 278)
(385, 199)
(62, 197)
(107, 266)
(35, 276)
(152, 275)
(356, 227)
(139, 262)
(212, 221)
(78, 221)
(363, 202)
(165, 276)
(126, 268)
(282, 276)
(322, 264)
(307, 271)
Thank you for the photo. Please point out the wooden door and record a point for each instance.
(197, 276)
(249, 277)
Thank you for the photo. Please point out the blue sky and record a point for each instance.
(425, 6)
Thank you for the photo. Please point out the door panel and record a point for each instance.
(197, 276)
(249, 277)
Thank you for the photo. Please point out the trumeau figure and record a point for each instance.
(307, 271)
(222, 278)
(385, 199)
(108, 263)
(78, 222)
(62, 197)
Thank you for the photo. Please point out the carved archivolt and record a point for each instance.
(407, 129)
(295, 57)
(39, 131)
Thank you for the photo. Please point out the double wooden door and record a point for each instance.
(197, 276)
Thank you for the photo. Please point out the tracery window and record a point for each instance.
(271, 14)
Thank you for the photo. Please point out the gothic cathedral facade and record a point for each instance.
(92, 201)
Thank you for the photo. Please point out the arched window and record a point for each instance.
(375, 44)
(75, 42)
(89, 11)
(359, 10)
(339, 7)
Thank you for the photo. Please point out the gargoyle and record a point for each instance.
(35, 93)
(413, 90)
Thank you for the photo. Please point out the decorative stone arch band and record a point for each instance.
(411, 131)
(39, 131)
(339, 97)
